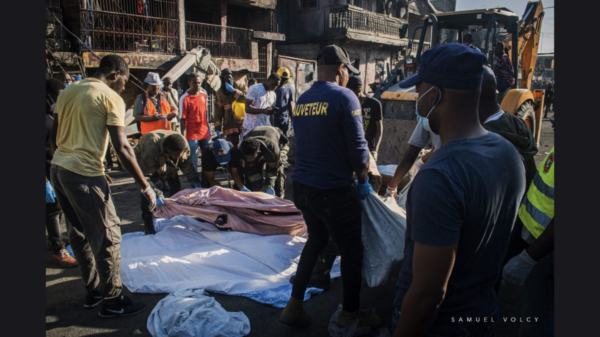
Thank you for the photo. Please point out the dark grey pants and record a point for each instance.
(93, 228)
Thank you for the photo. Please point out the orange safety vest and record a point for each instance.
(150, 110)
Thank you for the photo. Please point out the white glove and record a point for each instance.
(516, 270)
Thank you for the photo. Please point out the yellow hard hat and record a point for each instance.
(284, 72)
(239, 111)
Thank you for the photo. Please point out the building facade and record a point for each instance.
(368, 29)
(152, 35)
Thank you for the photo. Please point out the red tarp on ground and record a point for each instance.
(248, 212)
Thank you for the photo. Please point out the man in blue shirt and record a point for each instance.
(284, 102)
(461, 206)
(330, 146)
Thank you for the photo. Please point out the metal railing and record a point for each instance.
(222, 41)
(123, 32)
(360, 20)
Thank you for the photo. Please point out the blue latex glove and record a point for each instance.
(197, 185)
(291, 125)
(219, 134)
(364, 189)
(270, 191)
(160, 202)
(244, 189)
(228, 87)
(516, 270)
(50, 195)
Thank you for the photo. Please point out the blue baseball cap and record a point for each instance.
(221, 150)
(451, 66)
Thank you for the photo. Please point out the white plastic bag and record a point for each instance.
(383, 229)
(191, 313)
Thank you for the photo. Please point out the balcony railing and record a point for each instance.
(222, 41)
(124, 32)
(349, 18)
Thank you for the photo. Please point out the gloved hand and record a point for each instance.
(390, 192)
(374, 154)
(151, 196)
(228, 87)
(244, 189)
(160, 202)
(270, 191)
(364, 189)
(291, 125)
(516, 270)
(219, 134)
(197, 185)
(50, 195)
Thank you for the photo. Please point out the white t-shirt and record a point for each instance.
(262, 100)
(494, 117)
(420, 137)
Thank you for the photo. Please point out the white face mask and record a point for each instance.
(424, 121)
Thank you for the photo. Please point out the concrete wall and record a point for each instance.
(307, 23)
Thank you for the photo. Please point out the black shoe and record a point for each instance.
(120, 306)
(92, 300)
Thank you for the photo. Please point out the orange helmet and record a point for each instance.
(284, 72)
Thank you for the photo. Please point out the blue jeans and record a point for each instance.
(194, 144)
(538, 299)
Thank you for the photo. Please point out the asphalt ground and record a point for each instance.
(66, 317)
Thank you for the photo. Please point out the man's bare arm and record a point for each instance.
(407, 161)
(118, 137)
(254, 111)
(378, 134)
(210, 175)
(235, 174)
(432, 267)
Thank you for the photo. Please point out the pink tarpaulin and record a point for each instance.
(249, 212)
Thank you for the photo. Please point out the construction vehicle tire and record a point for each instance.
(527, 114)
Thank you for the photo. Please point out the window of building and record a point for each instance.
(308, 4)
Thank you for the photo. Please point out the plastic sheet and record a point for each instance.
(383, 229)
(191, 313)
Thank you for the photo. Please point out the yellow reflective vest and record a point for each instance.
(537, 209)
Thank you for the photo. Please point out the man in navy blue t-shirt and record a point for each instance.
(461, 207)
(330, 147)
(284, 102)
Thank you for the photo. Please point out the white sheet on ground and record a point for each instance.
(191, 313)
(188, 254)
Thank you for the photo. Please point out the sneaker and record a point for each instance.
(92, 300)
(120, 306)
(64, 259)
(346, 319)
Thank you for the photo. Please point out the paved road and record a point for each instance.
(65, 315)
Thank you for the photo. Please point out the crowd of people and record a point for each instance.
(478, 211)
